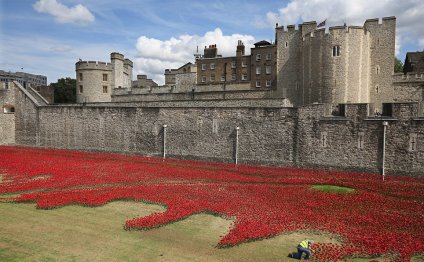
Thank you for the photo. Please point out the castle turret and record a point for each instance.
(94, 81)
(117, 60)
(381, 58)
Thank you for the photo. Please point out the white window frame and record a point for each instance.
(258, 70)
(233, 64)
(268, 56)
(203, 67)
(203, 79)
(258, 57)
(222, 78)
(244, 77)
(268, 69)
(268, 83)
(243, 63)
(258, 83)
(212, 66)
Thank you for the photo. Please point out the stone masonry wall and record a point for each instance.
(276, 136)
(7, 128)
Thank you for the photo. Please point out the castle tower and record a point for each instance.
(117, 61)
(346, 65)
(93, 81)
(381, 59)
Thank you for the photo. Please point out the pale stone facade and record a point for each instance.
(96, 80)
(344, 65)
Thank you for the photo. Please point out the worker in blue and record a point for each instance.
(303, 247)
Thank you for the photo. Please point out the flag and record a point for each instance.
(322, 23)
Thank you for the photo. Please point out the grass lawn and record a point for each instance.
(333, 189)
(77, 233)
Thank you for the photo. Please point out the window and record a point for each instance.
(286, 44)
(81, 89)
(361, 137)
(8, 109)
(268, 56)
(104, 89)
(268, 83)
(258, 70)
(233, 77)
(80, 76)
(323, 140)
(212, 78)
(104, 77)
(233, 64)
(258, 83)
(243, 63)
(336, 50)
(377, 70)
(203, 66)
(412, 142)
(258, 57)
(203, 79)
(268, 70)
(222, 78)
(244, 77)
(212, 66)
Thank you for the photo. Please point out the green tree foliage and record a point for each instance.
(65, 90)
(398, 66)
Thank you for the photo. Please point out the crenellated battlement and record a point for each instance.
(409, 77)
(93, 65)
(377, 22)
(335, 31)
(116, 55)
(128, 62)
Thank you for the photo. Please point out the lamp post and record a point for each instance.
(164, 141)
(385, 124)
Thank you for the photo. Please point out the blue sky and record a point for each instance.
(48, 36)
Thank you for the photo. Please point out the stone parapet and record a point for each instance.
(93, 65)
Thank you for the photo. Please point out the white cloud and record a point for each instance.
(78, 14)
(154, 55)
(409, 15)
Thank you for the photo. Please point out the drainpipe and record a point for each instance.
(237, 142)
(385, 124)
(164, 140)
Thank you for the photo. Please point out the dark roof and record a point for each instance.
(415, 57)
(262, 43)
(414, 62)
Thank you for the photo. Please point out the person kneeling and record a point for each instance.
(303, 247)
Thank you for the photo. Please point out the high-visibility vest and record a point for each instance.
(304, 244)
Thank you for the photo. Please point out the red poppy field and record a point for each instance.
(376, 218)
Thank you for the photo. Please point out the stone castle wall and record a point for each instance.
(7, 118)
(408, 87)
(277, 136)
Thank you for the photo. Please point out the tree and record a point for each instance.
(398, 66)
(65, 90)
